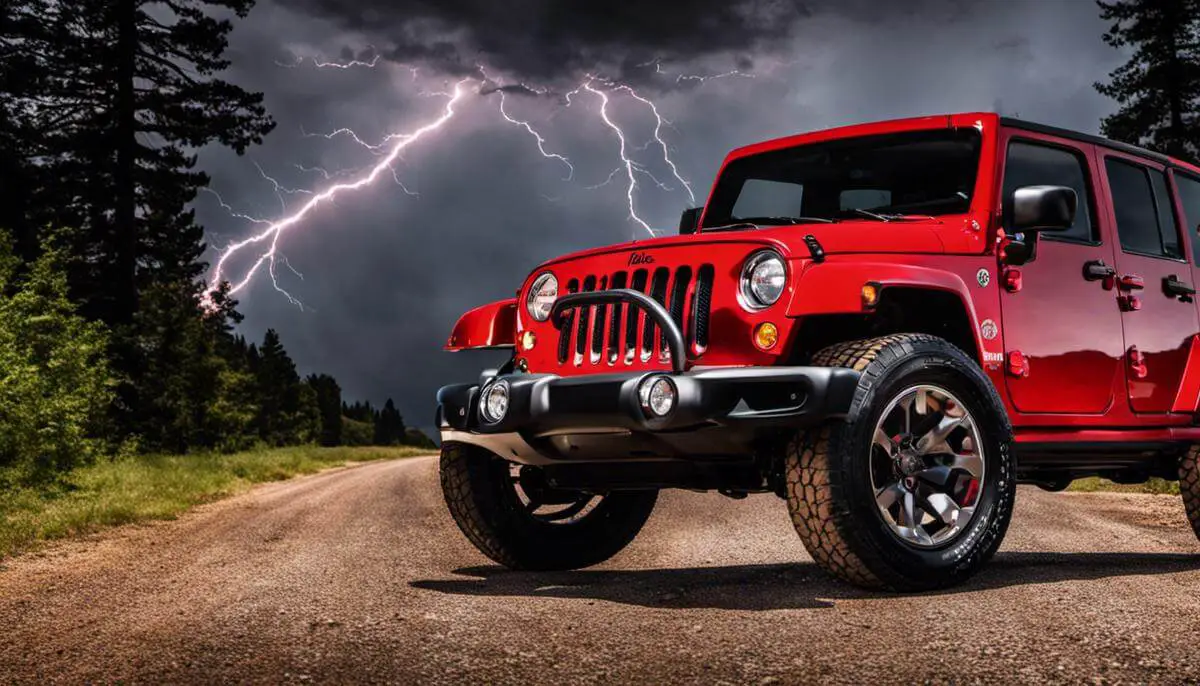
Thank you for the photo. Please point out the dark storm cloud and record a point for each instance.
(387, 274)
(548, 39)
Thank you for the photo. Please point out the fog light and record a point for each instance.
(870, 295)
(495, 401)
(657, 394)
(766, 335)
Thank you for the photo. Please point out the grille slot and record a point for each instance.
(658, 291)
(701, 308)
(618, 333)
(565, 325)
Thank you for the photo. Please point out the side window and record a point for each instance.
(1029, 164)
(1145, 220)
(1189, 194)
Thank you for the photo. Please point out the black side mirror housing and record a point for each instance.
(689, 221)
(1043, 208)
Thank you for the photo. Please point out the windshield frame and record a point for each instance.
(983, 124)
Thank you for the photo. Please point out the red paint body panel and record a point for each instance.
(1071, 330)
(489, 326)
(1188, 398)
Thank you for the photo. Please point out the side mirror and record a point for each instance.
(689, 221)
(1043, 208)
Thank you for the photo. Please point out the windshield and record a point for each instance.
(927, 173)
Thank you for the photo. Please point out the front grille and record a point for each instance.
(622, 334)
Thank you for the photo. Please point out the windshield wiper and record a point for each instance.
(888, 217)
(731, 227)
(874, 215)
(781, 221)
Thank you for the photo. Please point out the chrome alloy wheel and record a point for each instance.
(546, 504)
(927, 466)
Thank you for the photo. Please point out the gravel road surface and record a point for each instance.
(359, 575)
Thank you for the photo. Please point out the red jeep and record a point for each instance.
(889, 325)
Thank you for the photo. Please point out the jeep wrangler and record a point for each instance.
(888, 325)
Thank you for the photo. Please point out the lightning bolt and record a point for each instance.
(629, 164)
(276, 229)
(390, 150)
(658, 124)
(541, 141)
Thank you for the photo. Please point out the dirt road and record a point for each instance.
(359, 575)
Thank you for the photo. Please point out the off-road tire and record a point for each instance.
(485, 506)
(829, 494)
(1189, 486)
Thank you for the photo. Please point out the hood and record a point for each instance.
(948, 234)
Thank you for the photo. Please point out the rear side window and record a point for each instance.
(1029, 164)
(1189, 195)
(1142, 205)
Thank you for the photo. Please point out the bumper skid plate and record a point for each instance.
(738, 400)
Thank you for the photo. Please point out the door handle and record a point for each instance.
(1097, 270)
(1131, 282)
(1175, 288)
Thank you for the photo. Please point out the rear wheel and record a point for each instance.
(1189, 486)
(914, 490)
(514, 517)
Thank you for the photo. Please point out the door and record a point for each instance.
(1065, 323)
(1159, 319)
(1187, 188)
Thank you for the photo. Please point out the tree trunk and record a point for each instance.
(125, 228)
(1177, 137)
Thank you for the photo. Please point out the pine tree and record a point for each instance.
(55, 384)
(1158, 89)
(278, 392)
(389, 425)
(329, 403)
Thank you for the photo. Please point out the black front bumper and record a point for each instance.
(719, 413)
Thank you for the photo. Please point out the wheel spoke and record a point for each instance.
(922, 402)
(884, 441)
(935, 440)
(938, 475)
(886, 497)
(944, 507)
(912, 515)
(970, 463)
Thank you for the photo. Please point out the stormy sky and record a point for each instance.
(385, 273)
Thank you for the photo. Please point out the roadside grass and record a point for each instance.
(1155, 486)
(146, 487)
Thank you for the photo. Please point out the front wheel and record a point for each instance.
(914, 491)
(516, 519)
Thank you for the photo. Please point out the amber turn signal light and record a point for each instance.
(870, 295)
(528, 340)
(766, 335)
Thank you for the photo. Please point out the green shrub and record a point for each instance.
(55, 385)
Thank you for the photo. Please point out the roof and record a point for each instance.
(959, 119)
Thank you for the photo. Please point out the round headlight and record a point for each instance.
(495, 401)
(541, 297)
(764, 278)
